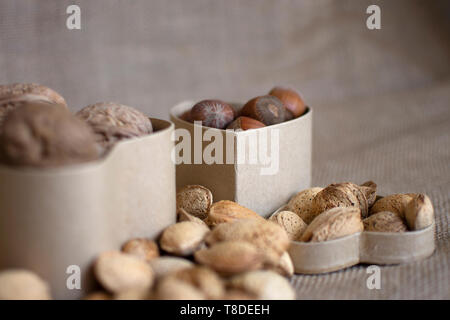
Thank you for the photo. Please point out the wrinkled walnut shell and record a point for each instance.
(113, 122)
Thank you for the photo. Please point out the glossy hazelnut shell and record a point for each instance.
(291, 100)
(245, 123)
(266, 109)
(213, 113)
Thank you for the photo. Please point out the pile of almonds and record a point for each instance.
(321, 214)
(216, 250)
(37, 129)
(223, 250)
(279, 105)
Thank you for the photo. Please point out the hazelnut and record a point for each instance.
(113, 122)
(42, 134)
(186, 116)
(266, 109)
(245, 123)
(16, 94)
(213, 113)
(291, 99)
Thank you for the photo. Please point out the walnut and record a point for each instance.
(113, 122)
(16, 94)
(43, 134)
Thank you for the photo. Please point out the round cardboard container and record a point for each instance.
(54, 219)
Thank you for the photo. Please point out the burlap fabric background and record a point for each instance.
(381, 98)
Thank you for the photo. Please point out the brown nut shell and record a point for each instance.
(18, 284)
(344, 194)
(264, 284)
(195, 200)
(268, 237)
(41, 134)
(419, 212)
(113, 122)
(395, 203)
(266, 109)
(204, 279)
(384, 221)
(291, 223)
(118, 272)
(145, 249)
(166, 265)
(227, 211)
(184, 216)
(291, 99)
(212, 113)
(245, 123)
(230, 257)
(183, 238)
(16, 94)
(332, 224)
(301, 204)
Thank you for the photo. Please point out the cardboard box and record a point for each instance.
(260, 186)
(51, 219)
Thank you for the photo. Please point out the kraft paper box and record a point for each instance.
(282, 166)
(51, 219)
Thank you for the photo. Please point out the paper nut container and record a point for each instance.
(51, 219)
(260, 168)
(369, 247)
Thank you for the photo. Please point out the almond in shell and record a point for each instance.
(419, 212)
(264, 284)
(291, 223)
(118, 272)
(195, 200)
(183, 238)
(230, 257)
(227, 211)
(268, 237)
(301, 204)
(384, 221)
(334, 223)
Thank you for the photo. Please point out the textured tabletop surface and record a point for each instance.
(402, 142)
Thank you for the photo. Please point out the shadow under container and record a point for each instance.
(54, 218)
(282, 166)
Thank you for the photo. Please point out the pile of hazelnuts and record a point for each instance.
(281, 104)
